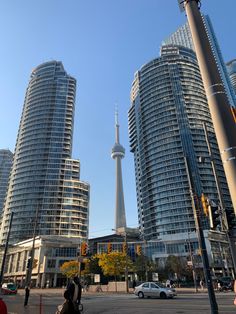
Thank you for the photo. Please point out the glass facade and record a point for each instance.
(168, 107)
(183, 37)
(231, 68)
(44, 178)
(6, 158)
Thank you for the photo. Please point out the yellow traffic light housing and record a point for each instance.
(205, 205)
(139, 249)
(124, 247)
(109, 247)
(83, 249)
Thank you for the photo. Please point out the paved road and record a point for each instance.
(103, 303)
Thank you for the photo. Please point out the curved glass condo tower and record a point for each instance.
(44, 178)
(168, 107)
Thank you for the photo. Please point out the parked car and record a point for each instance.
(155, 290)
(9, 288)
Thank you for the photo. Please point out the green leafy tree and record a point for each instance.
(175, 266)
(144, 267)
(70, 269)
(94, 266)
(114, 264)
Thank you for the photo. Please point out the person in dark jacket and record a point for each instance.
(75, 290)
(67, 307)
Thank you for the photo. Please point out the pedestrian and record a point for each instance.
(168, 283)
(67, 307)
(201, 284)
(134, 284)
(75, 290)
(27, 293)
(3, 307)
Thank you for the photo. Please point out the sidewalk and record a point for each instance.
(60, 291)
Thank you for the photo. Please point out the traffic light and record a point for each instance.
(83, 249)
(139, 249)
(109, 247)
(205, 204)
(215, 216)
(28, 263)
(124, 248)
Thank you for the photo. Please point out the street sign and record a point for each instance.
(96, 277)
(155, 277)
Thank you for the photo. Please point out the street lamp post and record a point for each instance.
(126, 264)
(31, 259)
(201, 242)
(5, 250)
(224, 224)
(124, 235)
(192, 262)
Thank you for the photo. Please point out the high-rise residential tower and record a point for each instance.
(182, 36)
(118, 152)
(6, 158)
(44, 178)
(168, 108)
(231, 68)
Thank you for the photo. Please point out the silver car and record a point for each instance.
(154, 290)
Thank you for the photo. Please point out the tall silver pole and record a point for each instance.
(5, 250)
(201, 242)
(224, 224)
(193, 264)
(222, 118)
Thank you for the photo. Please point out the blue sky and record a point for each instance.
(101, 43)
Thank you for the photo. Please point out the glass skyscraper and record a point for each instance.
(231, 68)
(168, 108)
(44, 178)
(6, 158)
(183, 37)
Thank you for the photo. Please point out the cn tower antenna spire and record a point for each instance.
(117, 126)
(118, 152)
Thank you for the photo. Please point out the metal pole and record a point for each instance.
(193, 264)
(224, 224)
(5, 251)
(202, 244)
(145, 259)
(29, 270)
(126, 264)
(222, 118)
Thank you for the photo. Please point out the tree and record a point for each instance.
(144, 267)
(94, 266)
(114, 264)
(175, 266)
(70, 269)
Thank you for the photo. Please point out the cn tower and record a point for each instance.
(118, 152)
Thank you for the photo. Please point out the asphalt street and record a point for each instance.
(104, 303)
